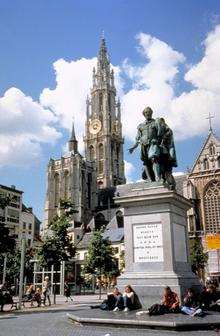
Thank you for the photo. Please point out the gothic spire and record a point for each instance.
(103, 64)
(73, 143)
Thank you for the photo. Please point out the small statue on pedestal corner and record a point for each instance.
(157, 149)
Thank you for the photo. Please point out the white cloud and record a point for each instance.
(206, 74)
(29, 124)
(153, 84)
(24, 126)
(178, 173)
(68, 99)
(129, 170)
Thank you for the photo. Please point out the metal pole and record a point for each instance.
(4, 269)
(21, 272)
(35, 270)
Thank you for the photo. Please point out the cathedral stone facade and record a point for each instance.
(203, 188)
(89, 181)
(103, 140)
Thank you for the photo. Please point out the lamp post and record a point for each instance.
(4, 269)
(21, 272)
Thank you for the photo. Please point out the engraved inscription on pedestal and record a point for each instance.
(148, 242)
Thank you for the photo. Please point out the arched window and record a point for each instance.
(120, 219)
(100, 101)
(212, 149)
(91, 153)
(101, 158)
(66, 184)
(212, 207)
(205, 164)
(99, 221)
(56, 190)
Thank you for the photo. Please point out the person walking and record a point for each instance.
(67, 292)
(46, 288)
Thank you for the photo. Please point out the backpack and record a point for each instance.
(156, 309)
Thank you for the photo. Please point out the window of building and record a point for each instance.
(66, 184)
(205, 164)
(91, 153)
(100, 101)
(218, 162)
(56, 190)
(212, 207)
(24, 226)
(29, 226)
(212, 149)
(99, 221)
(101, 158)
(120, 219)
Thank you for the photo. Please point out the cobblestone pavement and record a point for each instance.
(57, 324)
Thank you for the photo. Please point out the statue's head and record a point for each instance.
(148, 112)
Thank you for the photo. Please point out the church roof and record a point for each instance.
(114, 235)
(211, 137)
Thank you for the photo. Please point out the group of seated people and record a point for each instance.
(33, 295)
(193, 304)
(117, 301)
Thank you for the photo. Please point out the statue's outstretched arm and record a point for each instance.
(133, 147)
(136, 142)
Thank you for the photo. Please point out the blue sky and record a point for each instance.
(165, 54)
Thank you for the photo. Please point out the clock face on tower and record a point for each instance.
(95, 126)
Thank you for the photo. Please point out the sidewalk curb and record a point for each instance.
(143, 324)
(46, 310)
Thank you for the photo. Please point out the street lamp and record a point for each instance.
(23, 241)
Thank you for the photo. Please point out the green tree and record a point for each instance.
(7, 242)
(13, 266)
(100, 259)
(198, 257)
(57, 246)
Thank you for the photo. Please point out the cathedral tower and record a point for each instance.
(103, 132)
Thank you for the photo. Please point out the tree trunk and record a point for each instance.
(100, 284)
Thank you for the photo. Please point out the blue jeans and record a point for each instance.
(187, 310)
(128, 303)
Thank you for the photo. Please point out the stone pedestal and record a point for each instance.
(156, 241)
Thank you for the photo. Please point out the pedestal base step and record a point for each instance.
(130, 320)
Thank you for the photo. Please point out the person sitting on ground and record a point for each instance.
(30, 292)
(5, 297)
(170, 304)
(191, 304)
(67, 292)
(114, 300)
(130, 299)
(170, 301)
(211, 299)
(37, 297)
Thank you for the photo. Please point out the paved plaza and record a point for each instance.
(57, 324)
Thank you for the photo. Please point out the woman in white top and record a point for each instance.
(129, 298)
(46, 290)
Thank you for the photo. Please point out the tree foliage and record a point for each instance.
(7, 242)
(57, 246)
(198, 257)
(14, 264)
(100, 259)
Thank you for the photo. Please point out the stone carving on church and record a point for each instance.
(157, 149)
